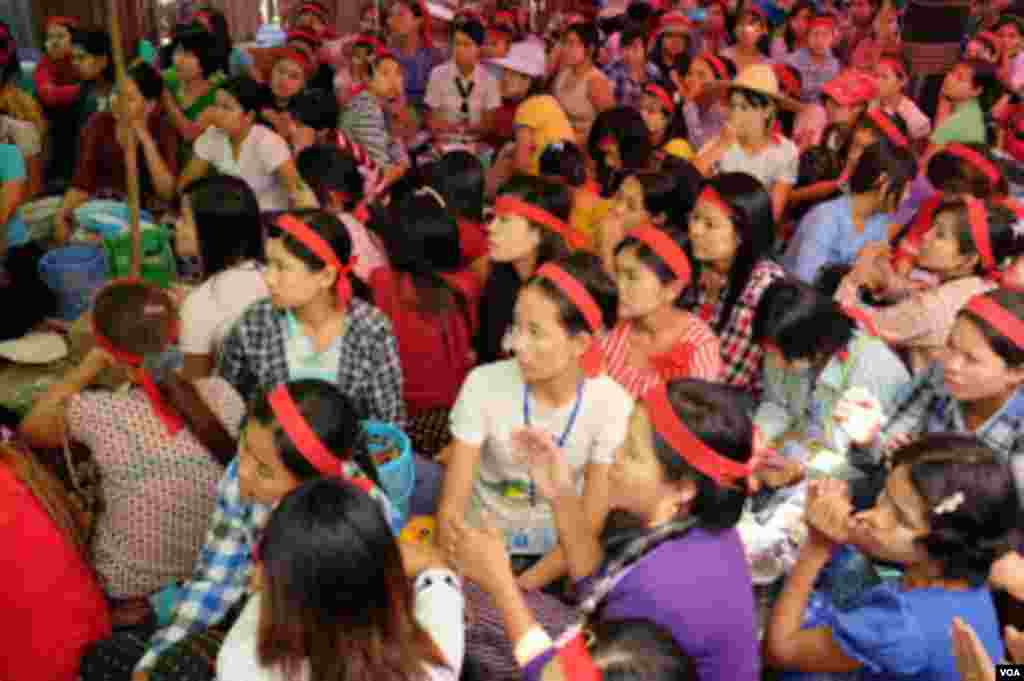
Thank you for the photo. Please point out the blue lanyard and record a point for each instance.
(568, 426)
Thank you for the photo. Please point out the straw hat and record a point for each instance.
(35, 348)
(759, 78)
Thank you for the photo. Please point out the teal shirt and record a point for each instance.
(804, 401)
(12, 169)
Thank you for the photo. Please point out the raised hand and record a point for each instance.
(548, 467)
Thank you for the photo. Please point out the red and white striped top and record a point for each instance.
(695, 354)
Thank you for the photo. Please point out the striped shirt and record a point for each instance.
(695, 354)
(364, 122)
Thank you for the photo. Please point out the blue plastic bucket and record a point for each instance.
(399, 475)
(74, 274)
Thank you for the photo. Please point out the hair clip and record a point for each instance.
(154, 310)
(430, 191)
(949, 504)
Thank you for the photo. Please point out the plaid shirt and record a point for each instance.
(369, 373)
(628, 91)
(221, 575)
(925, 406)
(812, 74)
(741, 356)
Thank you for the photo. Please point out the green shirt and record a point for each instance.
(965, 125)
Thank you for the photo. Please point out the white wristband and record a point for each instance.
(531, 644)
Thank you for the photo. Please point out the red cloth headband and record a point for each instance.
(513, 205)
(171, 419)
(666, 249)
(888, 128)
(321, 249)
(717, 65)
(688, 446)
(895, 64)
(67, 22)
(297, 56)
(825, 21)
(977, 219)
(987, 168)
(305, 440)
(998, 317)
(576, 662)
(663, 96)
(585, 303)
(787, 80)
(371, 41)
(312, 8)
(711, 195)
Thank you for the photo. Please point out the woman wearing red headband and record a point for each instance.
(552, 385)
(160, 447)
(731, 234)
(669, 552)
(530, 228)
(313, 326)
(656, 340)
(966, 252)
(58, 88)
(892, 76)
(702, 109)
(666, 124)
(294, 433)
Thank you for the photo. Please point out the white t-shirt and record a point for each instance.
(262, 153)
(445, 100)
(210, 311)
(490, 408)
(438, 609)
(779, 162)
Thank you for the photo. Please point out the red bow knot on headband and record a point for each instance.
(167, 415)
(724, 471)
(306, 441)
(513, 205)
(591, 362)
(998, 317)
(305, 235)
(666, 249)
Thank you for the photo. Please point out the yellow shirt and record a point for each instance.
(679, 148)
(544, 116)
(588, 210)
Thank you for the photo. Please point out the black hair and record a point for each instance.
(550, 196)
(8, 45)
(459, 177)
(802, 6)
(758, 100)
(1003, 240)
(801, 321)
(626, 126)
(331, 230)
(751, 212)
(631, 34)
(786, 117)
(326, 168)
(221, 35)
(422, 241)
(676, 127)
(332, 417)
(563, 161)
(651, 260)
(148, 79)
(951, 174)
(971, 499)
(1013, 302)
(588, 35)
(638, 650)
(672, 191)
(719, 416)
(883, 158)
(586, 268)
(252, 96)
(985, 75)
(96, 44)
(227, 218)
(196, 39)
(315, 108)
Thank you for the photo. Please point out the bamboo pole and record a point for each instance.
(130, 154)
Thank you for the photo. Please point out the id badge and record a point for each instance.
(534, 541)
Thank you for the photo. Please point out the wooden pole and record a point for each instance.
(130, 154)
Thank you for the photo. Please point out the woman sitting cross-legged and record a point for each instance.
(668, 553)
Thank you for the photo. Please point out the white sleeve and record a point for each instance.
(432, 98)
(613, 427)
(790, 166)
(196, 333)
(468, 419)
(207, 146)
(439, 608)
(273, 151)
(492, 95)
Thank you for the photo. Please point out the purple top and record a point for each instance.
(697, 587)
